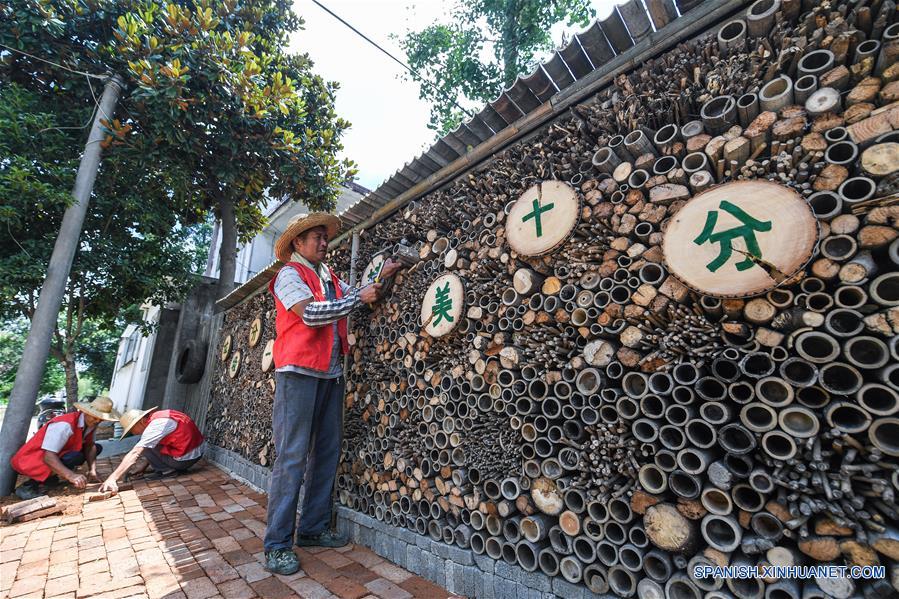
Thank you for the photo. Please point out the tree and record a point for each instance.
(12, 342)
(212, 99)
(484, 46)
(96, 353)
(131, 249)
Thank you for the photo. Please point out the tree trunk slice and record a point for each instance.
(268, 355)
(869, 128)
(696, 243)
(642, 501)
(441, 317)
(372, 270)
(255, 332)
(822, 549)
(542, 218)
(830, 177)
(234, 365)
(668, 529)
(551, 286)
(599, 352)
(526, 281)
(226, 348)
(882, 159)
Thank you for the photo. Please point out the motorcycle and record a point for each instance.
(50, 407)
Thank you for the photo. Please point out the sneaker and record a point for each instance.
(28, 490)
(282, 561)
(325, 539)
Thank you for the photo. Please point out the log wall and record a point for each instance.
(591, 416)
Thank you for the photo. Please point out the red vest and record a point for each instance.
(186, 437)
(297, 344)
(29, 460)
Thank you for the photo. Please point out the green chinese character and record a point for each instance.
(442, 305)
(538, 210)
(375, 272)
(725, 238)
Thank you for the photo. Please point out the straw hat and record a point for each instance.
(284, 245)
(100, 408)
(132, 417)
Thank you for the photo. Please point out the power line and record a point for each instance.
(11, 49)
(393, 58)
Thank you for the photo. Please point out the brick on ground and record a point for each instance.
(197, 537)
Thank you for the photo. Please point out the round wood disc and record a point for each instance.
(234, 365)
(443, 304)
(268, 355)
(740, 239)
(255, 332)
(372, 271)
(226, 347)
(542, 218)
(881, 160)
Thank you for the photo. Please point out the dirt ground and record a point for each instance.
(67, 496)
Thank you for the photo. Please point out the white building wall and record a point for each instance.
(129, 377)
(257, 254)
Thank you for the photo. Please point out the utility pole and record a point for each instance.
(37, 346)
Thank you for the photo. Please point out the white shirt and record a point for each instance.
(59, 432)
(160, 428)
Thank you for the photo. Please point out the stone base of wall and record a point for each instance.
(460, 571)
(253, 475)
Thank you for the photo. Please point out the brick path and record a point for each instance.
(193, 537)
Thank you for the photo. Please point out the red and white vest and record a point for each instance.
(297, 344)
(186, 437)
(29, 460)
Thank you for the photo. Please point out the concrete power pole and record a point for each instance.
(37, 346)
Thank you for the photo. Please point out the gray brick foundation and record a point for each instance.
(460, 571)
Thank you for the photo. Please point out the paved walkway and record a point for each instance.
(193, 537)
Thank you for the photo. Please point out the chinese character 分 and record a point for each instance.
(747, 231)
(538, 210)
(442, 305)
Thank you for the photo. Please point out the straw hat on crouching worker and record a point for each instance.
(100, 408)
(132, 417)
(299, 224)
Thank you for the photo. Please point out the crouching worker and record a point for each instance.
(61, 446)
(169, 441)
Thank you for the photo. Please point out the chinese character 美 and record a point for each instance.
(442, 305)
(725, 238)
(373, 275)
(538, 210)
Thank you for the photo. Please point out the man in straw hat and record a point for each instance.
(312, 304)
(61, 446)
(169, 440)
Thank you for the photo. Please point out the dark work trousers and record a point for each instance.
(71, 460)
(307, 436)
(162, 462)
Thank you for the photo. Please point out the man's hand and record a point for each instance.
(370, 293)
(79, 480)
(109, 485)
(390, 268)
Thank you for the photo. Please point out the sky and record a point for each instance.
(389, 121)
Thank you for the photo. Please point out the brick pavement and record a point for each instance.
(197, 536)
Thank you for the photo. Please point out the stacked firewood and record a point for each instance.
(598, 418)
(239, 416)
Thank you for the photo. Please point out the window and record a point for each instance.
(132, 345)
